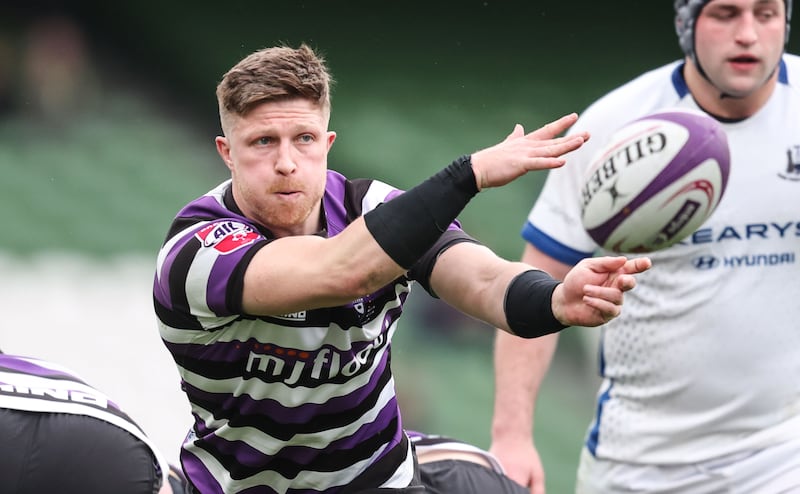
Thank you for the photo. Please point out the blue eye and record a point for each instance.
(306, 138)
(263, 141)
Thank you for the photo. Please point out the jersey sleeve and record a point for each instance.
(200, 273)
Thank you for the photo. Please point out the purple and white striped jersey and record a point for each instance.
(34, 385)
(295, 403)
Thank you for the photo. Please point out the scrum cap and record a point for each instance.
(686, 12)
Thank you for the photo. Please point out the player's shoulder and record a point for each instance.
(23, 364)
(208, 206)
(792, 59)
(337, 183)
(362, 194)
(656, 88)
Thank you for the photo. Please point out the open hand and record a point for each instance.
(592, 291)
(520, 153)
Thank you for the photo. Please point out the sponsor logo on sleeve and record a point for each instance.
(227, 236)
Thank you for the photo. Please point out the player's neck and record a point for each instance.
(714, 101)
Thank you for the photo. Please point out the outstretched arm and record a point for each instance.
(476, 281)
(314, 272)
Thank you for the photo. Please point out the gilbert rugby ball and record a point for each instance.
(656, 181)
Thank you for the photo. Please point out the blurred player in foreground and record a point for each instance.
(278, 292)
(451, 466)
(701, 389)
(63, 436)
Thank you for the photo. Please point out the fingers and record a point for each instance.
(603, 282)
(606, 302)
(544, 143)
(520, 153)
(625, 282)
(543, 163)
(518, 131)
(554, 128)
(637, 265)
(611, 264)
(550, 154)
(606, 264)
(605, 309)
(610, 295)
(561, 145)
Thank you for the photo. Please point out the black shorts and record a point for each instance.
(405, 490)
(465, 477)
(64, 453)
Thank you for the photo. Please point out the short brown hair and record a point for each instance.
(274, 74)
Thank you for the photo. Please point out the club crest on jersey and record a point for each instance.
(227, 236)
(792, 169)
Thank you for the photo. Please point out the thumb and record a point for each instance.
(518, 131)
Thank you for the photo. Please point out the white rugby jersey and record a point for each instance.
(35, 385)
(705, 359)
(297, 403)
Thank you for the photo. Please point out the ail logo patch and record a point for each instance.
(227, 236)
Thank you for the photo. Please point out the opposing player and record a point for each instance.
(701, 389)
(62, 435)
(452, 466)
(278, 292)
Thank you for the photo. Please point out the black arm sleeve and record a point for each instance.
(422, 269)
(528, 304)
(408, 225)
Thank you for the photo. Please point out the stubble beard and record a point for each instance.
(287, 219)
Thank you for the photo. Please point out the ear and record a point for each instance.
(224, 150)
(331, 138)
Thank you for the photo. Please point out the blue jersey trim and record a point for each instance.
(783, 73)
(594, 434)
(593, 438)
(551, 246)
(679, 83)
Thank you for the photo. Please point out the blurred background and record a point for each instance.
(107, 121)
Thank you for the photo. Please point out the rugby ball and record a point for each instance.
(656, 181)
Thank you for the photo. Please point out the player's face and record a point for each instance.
(278, 157)
(739, 43)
